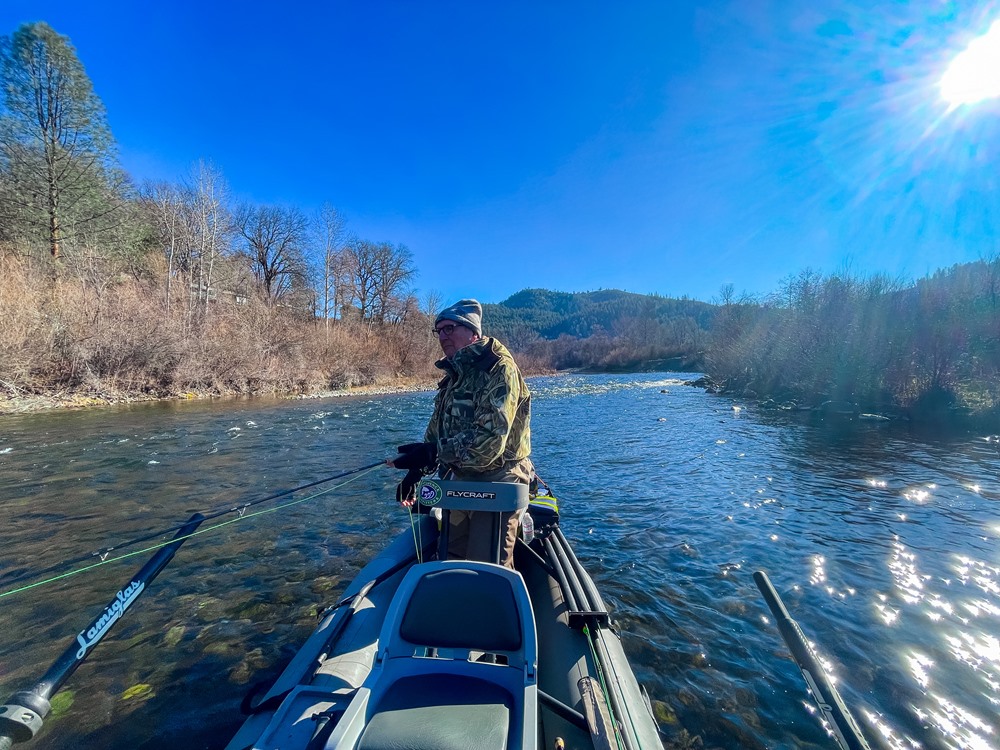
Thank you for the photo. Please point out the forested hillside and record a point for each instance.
(608, 329)
(553, 314)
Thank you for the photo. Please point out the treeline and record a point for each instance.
(868, 343)
(106, 285)
(850, 343)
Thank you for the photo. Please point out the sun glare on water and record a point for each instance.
(974, 74)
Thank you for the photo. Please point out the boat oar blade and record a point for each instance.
(602, 731)
(21, 717)
(845, 729)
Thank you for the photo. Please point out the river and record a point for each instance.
(883, 543)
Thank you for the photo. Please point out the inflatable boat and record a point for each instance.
(426, 653)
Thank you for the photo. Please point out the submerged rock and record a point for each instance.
(174, 636)
(685, 741)
(663, 713)
(142, 691)
(323, 584)
(62, 701)
(255, 610)
(838, 408)
(253, 662)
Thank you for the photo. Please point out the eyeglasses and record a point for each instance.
(446, 330)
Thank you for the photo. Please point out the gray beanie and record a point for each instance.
(467, 312)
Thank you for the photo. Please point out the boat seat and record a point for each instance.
(467, 714)
(458, 607)
(431, 687)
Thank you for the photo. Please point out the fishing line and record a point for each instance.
(358, 473)
(417, 534)
(208, 516)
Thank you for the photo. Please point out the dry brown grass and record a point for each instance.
(33, 331)
(118, 338)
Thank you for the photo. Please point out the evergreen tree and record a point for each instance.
(57, 160)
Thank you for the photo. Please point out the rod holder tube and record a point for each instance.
(553, 554)
(574, 581)
(592, 595)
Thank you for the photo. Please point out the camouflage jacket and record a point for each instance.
(481, 414)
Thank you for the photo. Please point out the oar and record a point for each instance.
(845, 729)
(22, 717)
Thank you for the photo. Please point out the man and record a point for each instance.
(479, 430)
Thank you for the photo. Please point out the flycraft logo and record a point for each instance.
(430, 493)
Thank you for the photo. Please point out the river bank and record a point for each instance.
(30, 403)
(16, 401)
(936, 411)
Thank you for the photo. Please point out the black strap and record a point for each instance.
(247, 707)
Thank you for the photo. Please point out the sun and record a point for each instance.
(974, 74)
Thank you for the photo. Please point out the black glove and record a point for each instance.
(416, 456)
(406, 490)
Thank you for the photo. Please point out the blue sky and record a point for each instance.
(669, 147)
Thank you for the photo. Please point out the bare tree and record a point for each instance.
(333, 279)
(361, 269)
(379, 276)
(275, 238)
(192, 221)
(433, 302)
(424, 339)
(393, 272)
(211, 223)
(167, 204)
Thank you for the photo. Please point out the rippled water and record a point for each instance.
(883, 544)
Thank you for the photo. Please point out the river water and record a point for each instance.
(883, 543)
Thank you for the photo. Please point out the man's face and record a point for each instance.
(453, 337)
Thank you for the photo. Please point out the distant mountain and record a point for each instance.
(542, 313)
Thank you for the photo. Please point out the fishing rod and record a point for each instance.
(845, 729)
(21, 718)
(239, 508)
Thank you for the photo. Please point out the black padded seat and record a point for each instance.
(440, 712)
(462, 608)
